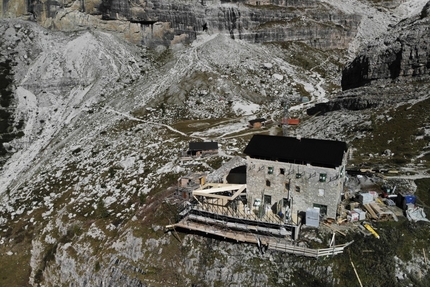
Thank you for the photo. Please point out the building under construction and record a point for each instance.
(286, 179)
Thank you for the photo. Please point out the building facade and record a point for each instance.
(197, 149)
(288, 175)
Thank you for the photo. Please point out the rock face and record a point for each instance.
(168, 22)
(13, 57)
(5, 103)
(402, 54)
(351, 102)
(393, 69)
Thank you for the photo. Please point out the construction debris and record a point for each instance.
(416, 214)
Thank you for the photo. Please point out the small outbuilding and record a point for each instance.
(190, 182)
(257, 123)
(293, 122)
(197, 149)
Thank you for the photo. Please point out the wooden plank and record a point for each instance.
(335, 229)
(355, 271)
(376, 208)
(222, 188)
(371, 211)
(211, 191)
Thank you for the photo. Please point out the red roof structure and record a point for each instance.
(293, 121)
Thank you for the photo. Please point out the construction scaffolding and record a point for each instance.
(219, 210)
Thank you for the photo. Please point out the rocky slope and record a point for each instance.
(87, 175)
(105, 123)
(401, 55)
(396, 63)
(391, 72)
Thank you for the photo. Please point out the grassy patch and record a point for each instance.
(398, 130)
(190, 126)
(423, 193)
(15, 269)
(307, 57)
(374, 259)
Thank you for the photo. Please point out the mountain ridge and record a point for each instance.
(86, 190)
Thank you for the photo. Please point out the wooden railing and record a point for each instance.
(309, 252)
(269, 217)
(270, 242)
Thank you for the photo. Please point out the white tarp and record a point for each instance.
(416, 214)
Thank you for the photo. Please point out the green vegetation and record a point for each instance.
(423, 194)
(15, 268)
(302, 55)
(101, 211)
(399, 130)
(160, 58)
(198, 125)
(374, 259)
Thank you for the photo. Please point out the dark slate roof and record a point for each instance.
(193, 146)
(325, 153)
(262, 120)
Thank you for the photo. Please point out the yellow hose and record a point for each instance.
(368, 227)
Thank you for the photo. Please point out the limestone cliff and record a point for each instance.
(403, 54)
(167, 22)
(391, 70)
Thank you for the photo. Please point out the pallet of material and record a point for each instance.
(371, 211)
(377, 211)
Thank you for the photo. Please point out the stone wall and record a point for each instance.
(285, 182)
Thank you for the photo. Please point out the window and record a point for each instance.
(320, 192)
(282, 171)
(267, 199)
(323, 177)
(298, 175)
(285, 202)
(267, 182)
(323, 208)
(270, 170)
(297, 188)
(287, 186)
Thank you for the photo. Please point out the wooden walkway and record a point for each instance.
(272, 243)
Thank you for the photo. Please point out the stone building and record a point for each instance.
(287, 175)
(197, 149)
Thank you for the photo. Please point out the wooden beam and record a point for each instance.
(355, 270)
(197, 199)
(229, 187)
(211, 192)
(335, 229)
